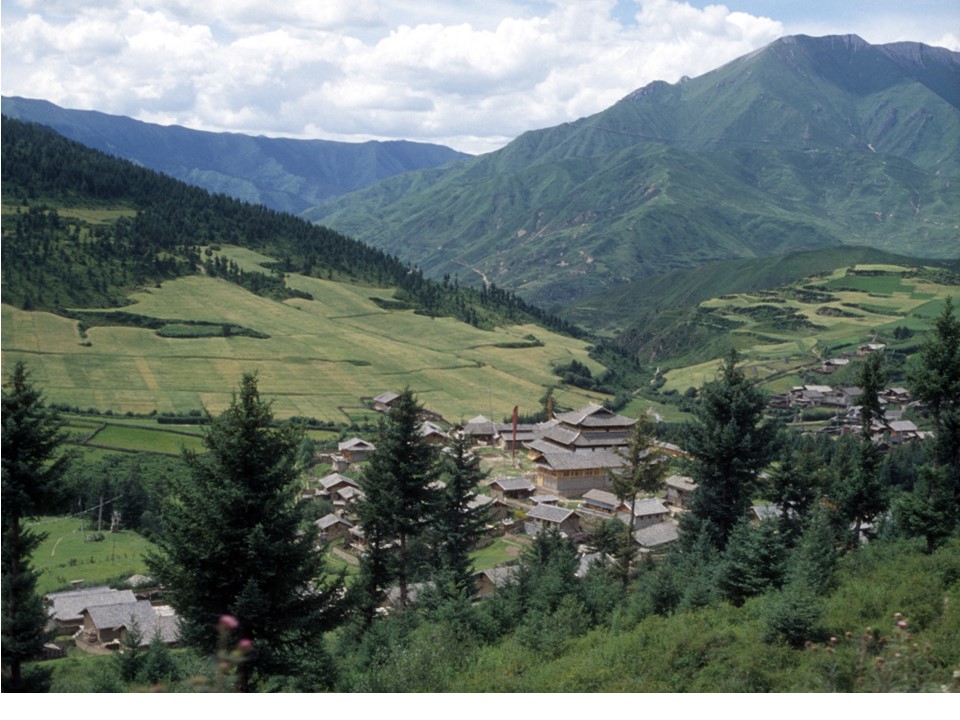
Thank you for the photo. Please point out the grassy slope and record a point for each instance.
(322, 358)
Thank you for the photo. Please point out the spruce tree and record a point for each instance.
(234, 541)
(457, 526)
(730, 444)
(643, 470)
(398, 499)
(32, 468)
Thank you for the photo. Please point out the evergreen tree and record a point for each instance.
(932, 509)
(398, 498)
(234, 541)
(793, 489)
(812, 563)
(730, 444)
(32, 469)
(861, 496)
(456, 525)
(643, 470)
(753, 561)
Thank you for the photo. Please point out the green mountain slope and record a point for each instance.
(807, 143)
(281, 173)
(129, 291)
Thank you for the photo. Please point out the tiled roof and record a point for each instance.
(549, 513)
(70, 607)
(513, 483)
(595, 416)
(588, 460)
(659, 534)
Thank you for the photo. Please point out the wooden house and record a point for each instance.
(544, 517)
(679, 490)
(571, 474)
(333, 527)
(384, 401)
(655, 539)
(591, 427)
(512, 488)
(481, 431)
(488, 581)
(65, 609)
(433, 433)
(355, 450)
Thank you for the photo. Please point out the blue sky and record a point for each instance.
(472, 74)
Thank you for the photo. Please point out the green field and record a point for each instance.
(324, 358)
(66, 555)
(781, 336)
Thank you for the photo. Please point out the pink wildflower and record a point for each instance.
(245, 645)
(901, 623)
(229, 622)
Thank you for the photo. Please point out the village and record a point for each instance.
(557, 474)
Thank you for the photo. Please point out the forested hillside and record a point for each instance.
(130, 226)
(281, 173)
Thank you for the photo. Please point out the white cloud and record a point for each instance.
(468, 74)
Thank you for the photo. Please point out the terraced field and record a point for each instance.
(783, 333)
(322, 359)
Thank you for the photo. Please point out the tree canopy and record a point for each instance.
(234, 541)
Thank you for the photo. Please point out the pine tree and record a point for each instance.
(643, 470)
(932, 509)
(457, 526)
(753, 561)
(32, 468)
(730, 444)
(235, 541)
(860, 495)
(398, 498)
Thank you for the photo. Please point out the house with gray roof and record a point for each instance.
(384, 401)
(355, 449)
(481, 431)
(66, 609)
(333, 527)
(110, 625)
(655, 539)
(488, 581)
(571, 474)
(679, 490)
(514, 488)
(646, 511)
(544, 517)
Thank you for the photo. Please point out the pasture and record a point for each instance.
(67, 554)
(324, 358)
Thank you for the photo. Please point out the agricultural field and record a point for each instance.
(784, 334)
(323, 358)
(67, 554)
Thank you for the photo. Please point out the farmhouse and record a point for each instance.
(487, 581)
(543, 517)
(433, 433)
(65, 609)
(384, 401)
(646, 512)
(481, 431)
(571, 474)
(333, 483)
(655, 539)
(526, 432)
(513, 488)
(679, 490)
(355, 450)
(110, 625)
(333, 527)
(601, 501)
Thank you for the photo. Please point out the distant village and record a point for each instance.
(571, 459)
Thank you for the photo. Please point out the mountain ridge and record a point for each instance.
(764, 155)
(285, 174)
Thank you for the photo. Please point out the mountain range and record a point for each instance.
(807, 143)
(281, 173)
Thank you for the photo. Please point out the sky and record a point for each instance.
(470, 74)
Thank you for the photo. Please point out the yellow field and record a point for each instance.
(322, 359)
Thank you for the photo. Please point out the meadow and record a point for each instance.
(68, 554)
(324, 358)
